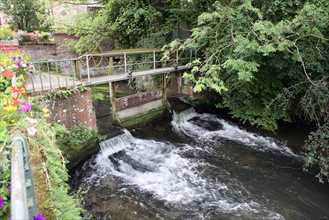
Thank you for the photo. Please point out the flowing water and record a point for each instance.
(198, 166)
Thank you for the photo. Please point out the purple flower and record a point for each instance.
(2, 202)
(19, 64)
(27, 64)
(9, 187)
(13, 58)
(19, 58)
(31, 71)
(39, 217)
(26, 107)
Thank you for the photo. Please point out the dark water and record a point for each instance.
(198, 167)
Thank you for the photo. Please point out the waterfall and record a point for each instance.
(183, 116)
(116, 144)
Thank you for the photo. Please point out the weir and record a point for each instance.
(114, 68)
(116, 144)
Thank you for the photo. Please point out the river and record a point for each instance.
(198, 166)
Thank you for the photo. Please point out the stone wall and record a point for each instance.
(75, 110)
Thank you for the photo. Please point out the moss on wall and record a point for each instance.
(142, 119)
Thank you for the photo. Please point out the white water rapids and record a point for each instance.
(163, 170)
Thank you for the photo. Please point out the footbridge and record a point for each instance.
(93, 69)
(119, 70)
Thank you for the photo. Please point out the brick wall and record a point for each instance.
(75, 110)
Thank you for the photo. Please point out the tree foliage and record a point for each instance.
(267, 60)
(135, 23)
(27, 15)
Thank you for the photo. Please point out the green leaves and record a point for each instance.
(317, 151)
(244, 68)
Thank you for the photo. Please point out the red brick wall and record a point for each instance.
(75, 110)
(137, 99)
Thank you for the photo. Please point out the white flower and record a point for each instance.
(31, 120)
(31, 131)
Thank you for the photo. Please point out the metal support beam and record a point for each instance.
(88, 71)
(125, 62)
(154, 60)
(164, 89)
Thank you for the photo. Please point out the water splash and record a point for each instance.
(160, 169)
(208, 128)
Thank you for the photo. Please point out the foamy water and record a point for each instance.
(183, 122)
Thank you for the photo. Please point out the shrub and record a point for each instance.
(6, 33)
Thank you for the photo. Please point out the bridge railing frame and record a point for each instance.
(126, 65)
(51, 78)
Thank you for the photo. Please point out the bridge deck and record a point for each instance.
(46, 82)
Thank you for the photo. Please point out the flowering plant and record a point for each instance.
(35, 38)
(17, 113)
(14, 106)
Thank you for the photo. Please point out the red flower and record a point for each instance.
(7, 73)
(16, 101)
(18, 89)
(7, 102)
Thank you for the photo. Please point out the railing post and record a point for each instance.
(48, 69)
(154, 60)
(77, 69)
(88, 72)
(125, 61)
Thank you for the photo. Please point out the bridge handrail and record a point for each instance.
(72, 72)
(22, 200)
(121, 53)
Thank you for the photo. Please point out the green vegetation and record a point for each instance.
(65, 93)
(27, 15)
(132, 23)
(267, 62)
(6, 33)
(76, 142)
(100, 92)
(24, 115)
(50, 175)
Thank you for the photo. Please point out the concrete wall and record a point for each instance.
(146, 105)
(75, 110)
(178, 86)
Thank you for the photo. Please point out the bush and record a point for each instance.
(6, 33)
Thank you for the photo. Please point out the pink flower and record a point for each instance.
(39, 217)
(26, 107)
(2, 202)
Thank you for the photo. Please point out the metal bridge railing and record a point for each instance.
(23, 202)
(53, 74)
